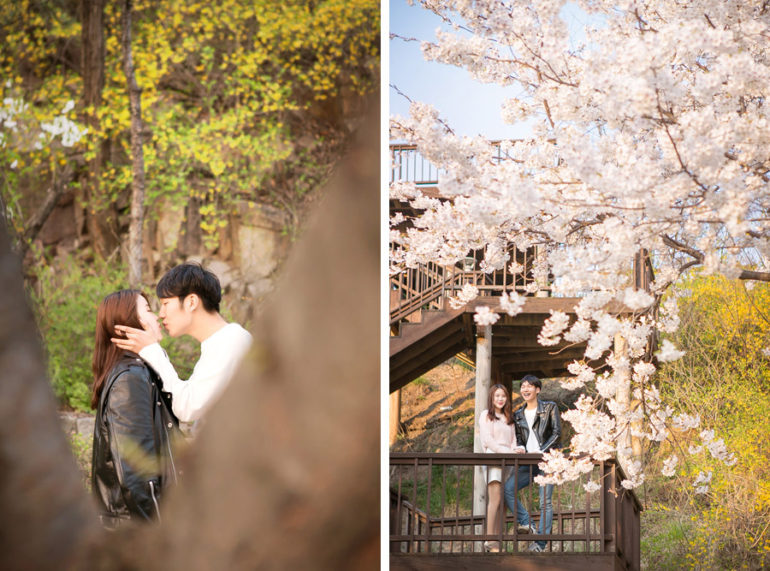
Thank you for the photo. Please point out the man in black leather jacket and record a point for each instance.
(538, 429)
(134, 433)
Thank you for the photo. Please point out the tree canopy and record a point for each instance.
(242, 102)
(649, 134)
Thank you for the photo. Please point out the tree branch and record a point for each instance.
(669, 241)
(38, 219)
(752, 275)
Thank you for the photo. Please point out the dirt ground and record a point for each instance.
(437, 411)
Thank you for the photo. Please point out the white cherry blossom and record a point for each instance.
(512, 303)
(669, 466)
(648, 136)
(485, 316)
(668, 352)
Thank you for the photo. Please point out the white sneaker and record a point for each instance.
(534, 547)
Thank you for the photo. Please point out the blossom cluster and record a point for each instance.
(16, 120)
(648, 138)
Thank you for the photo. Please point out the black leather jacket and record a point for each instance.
(547, 425)
(133, 460)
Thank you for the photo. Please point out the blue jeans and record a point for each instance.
(513, 485)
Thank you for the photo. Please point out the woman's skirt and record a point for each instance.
(495, 473)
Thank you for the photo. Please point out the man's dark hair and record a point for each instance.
(532, 380)
(189, 278)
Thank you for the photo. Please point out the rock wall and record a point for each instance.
(246, 254)
(78, 423)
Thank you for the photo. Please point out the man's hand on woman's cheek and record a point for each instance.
(135, 339)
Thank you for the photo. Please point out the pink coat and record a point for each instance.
(496, 435)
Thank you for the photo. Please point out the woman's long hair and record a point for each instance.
(118, 308)
(507, 412)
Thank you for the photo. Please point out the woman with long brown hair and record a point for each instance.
(498, 435)
(135, 429)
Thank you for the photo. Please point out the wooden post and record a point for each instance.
(483, 378)
(395, 416)
(624, 397)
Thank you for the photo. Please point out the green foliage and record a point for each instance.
(725, 379)
(183, 352)
(65, 297)
(450, 487)
(664, 541)
(82, 449)
(462, 363)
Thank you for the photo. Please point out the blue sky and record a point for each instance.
(469, 107)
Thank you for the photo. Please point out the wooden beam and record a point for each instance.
(532, 305)
(521, 561)
(419, 345)
(420, 367)
(517, 337)
(411, 332)
(453, 342)
(512, 358)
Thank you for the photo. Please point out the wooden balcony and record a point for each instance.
(425, 330)
(432, 524)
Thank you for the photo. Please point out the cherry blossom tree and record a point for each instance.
(649, 133)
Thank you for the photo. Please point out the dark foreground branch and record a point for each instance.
(751, 275)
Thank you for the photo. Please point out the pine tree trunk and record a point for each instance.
(137, 155)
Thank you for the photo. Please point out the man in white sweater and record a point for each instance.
(189, 305)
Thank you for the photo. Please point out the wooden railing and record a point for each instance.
(428, 286)
(431, 509)
(408, 164)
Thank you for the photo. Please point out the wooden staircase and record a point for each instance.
(426, 331)
(438, 335)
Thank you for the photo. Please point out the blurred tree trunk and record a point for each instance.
(284, 474)
(137, 156)
(45, 516)
(100, 220)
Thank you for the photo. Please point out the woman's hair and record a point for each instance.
(506, 407)
(118, 308)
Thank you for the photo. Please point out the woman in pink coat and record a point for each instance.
(497, 436)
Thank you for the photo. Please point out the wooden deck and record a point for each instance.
(432, 525)
(520, 562)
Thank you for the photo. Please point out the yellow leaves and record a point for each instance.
(724, 378)
(217, 166)
(216, 79)
(207, 210)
